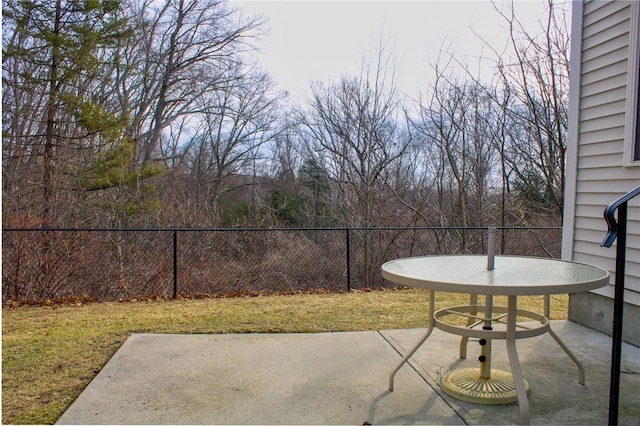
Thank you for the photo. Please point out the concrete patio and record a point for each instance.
(342, 378)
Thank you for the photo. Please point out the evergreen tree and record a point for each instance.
(314, 177)
(58, 52)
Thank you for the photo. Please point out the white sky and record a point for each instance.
(322, 40)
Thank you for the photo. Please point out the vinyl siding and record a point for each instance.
(598, 12)
(600, 176)
(615, 70)
(614, 120)
(603, 160)
(593, 113)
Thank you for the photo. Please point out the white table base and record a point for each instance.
(518, 387)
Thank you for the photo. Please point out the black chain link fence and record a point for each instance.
(114, 264)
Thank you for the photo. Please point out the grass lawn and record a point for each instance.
(51, 353)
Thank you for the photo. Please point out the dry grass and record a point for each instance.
(51, 353)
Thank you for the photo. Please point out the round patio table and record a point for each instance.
(510, 276)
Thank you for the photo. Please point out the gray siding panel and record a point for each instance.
(601, 132)
(596, 11)
(611, 109)
(612, 57)
(617, 70)
(606, 28)
(613, 87)
(609, 190)
(597, 95)
(604, 122)
(604, 160)
(612, 39)
(604, 174)
(591, 142)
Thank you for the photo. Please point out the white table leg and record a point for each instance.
(521, 391)
(473, 300)
(547, 313)
(420, 342)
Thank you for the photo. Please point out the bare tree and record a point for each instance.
(235, 123)
(538, 87)
(527, 122)
(185, 50)
(455, 127)
(354, 126)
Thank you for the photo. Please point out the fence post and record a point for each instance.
(348, 261)
(175, 264)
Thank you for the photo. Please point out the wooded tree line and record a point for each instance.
(120, 113)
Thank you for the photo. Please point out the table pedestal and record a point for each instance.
(484, 385)
(467, 384)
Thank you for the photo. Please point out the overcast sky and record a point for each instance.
(322, 40)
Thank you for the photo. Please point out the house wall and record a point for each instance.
(600, 168)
